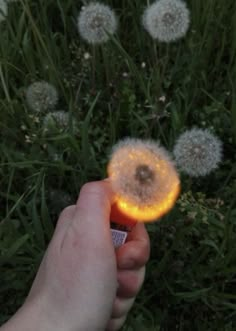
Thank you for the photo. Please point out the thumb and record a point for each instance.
(92, 214)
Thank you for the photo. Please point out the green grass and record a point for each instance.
(190, 281)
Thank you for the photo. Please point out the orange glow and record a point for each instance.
(144, 179)
(148, 213)
(117, 216)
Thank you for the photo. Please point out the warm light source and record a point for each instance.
(144, 179)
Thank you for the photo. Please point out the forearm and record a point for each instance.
(32, 316)
(37, 316)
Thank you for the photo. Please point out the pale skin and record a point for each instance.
(83, 284)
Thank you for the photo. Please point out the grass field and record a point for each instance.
(131, 86)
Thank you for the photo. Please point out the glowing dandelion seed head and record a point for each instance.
(144, 179)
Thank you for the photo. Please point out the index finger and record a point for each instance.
(135, 252)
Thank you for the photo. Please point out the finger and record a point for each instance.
(91, 220)
(116, 323)
(135, 252)
(130, 282)
(65, 219)
(122, 306)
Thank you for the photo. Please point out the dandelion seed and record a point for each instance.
(58, 120)
(3, 10)
(95, 22)
(143, 178)
(41, 96)
(197, 152)
(166, 20)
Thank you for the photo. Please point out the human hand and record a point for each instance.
(75, 287)
(77, 277)
(76, 283)
(131, 259)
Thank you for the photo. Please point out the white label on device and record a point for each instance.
(118, 237)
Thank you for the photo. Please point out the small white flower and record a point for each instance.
(197, 152)
(41, 96)
(166, 20)
(162, 98)
(87, 56)
(95, 22)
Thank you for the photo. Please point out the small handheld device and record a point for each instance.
(121, 225)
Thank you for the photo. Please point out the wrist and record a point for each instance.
(34, 315)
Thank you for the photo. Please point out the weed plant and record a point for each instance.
(130, 86)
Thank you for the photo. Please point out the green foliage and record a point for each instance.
(131, 86)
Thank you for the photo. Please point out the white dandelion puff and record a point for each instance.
(166, 20)
(59, 119)
(197, 152)
(144, 178)
(41, 96)
(95, 22)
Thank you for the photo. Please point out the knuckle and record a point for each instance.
(116, 323)
(130, 282)
(145, 250)
(92, 188)
(137, 283)
(122, 307)
(66, 212)
(141, 254)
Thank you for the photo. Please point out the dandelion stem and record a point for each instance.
(4, 85)
(93, 65)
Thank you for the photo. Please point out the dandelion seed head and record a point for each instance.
(95, 22)
(143, 177)
(166, 20)
(41, 96)
(59, 119)
(197, 152)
